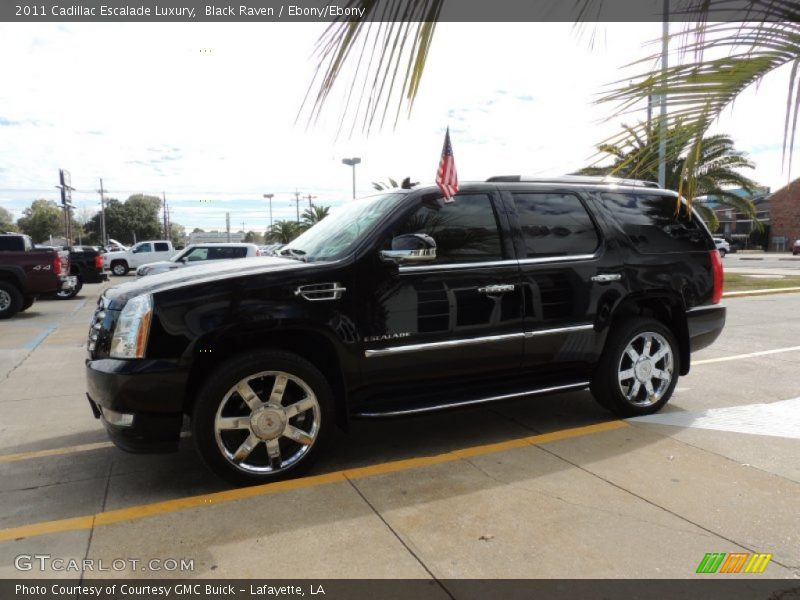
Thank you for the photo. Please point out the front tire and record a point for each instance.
(119, 268)
(262, 417)
(638, 370)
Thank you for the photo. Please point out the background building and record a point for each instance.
(785, 216)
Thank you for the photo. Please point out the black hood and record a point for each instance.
(229, 269)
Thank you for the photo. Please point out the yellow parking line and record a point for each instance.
(53, 452)
(169, 506)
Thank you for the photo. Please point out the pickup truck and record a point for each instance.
(122, 261)
(87, 263)
(26, 272)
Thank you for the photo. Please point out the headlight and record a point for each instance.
(133, 327)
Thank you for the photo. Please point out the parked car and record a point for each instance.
(199, 254)
(796, 248)
(87, 264)
(271, 249)
(26, 272)
(402, 304)
(722, 245)
(122, 261)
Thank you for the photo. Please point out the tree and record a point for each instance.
(251, 237)
(314, 215)
(389, 184)
(42, 219)
(284, 231)
(715, 167)
(6, 220)
(720, 61)
(136, 218)
(177, 234)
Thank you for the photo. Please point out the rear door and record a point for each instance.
(162, 251)
(565, 273)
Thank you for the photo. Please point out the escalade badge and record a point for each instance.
(388, 336)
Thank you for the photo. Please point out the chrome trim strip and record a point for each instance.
(552, 259)
(445, 266)
(500, 263)
(436, 345)
(437, 407)
(571, 329)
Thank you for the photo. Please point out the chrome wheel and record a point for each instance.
(646, 369)
(5, 300)
(267, 422)
(118, 269)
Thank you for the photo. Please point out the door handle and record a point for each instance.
(496, 289)
(606, 277)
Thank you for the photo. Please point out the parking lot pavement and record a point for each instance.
(765, 263)
(545, 487)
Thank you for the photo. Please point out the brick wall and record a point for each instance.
(784, 208)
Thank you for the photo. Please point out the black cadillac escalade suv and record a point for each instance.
(402, 303)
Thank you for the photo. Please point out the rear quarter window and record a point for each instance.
(656, 224)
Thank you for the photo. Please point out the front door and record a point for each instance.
(456, 319)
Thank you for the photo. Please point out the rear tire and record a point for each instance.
(119, 268)
(638, 370)
(722, 252)
(262, 417)
(11, 300)
(69, 294)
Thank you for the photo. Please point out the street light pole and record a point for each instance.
(662, 124)
(270, 197)
(352, 162)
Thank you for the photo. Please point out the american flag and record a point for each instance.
(446, 177)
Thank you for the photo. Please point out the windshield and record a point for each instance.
(337, 234)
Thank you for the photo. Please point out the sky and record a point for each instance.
(206, 113)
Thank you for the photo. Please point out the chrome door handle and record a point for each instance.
(606, 277)
(496, 289)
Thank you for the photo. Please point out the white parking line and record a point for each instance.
(741, 356)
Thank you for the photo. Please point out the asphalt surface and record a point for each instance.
(537, 488)
(770, 263)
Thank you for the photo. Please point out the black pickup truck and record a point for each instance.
(402, 304)
(27, 272)
(87, 264)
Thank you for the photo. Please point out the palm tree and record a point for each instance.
(715, 169)
(314, 215)
(283, 231)
(389, 184)
(389, 46)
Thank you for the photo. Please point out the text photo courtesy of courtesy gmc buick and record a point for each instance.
(402, 304)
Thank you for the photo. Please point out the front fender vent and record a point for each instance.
(320, 291)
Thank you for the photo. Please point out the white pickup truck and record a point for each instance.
(122, 261)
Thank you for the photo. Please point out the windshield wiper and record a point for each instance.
(295, 254)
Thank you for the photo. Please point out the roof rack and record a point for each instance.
(584, 179)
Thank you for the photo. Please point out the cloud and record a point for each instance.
(4, 122)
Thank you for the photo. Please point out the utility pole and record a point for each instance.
(270, 197)
(310, 198)
(65, 185)
(662, 124)
(102, 193)
(166, 231)
(297, 202)
(228, 225)
(243, 232)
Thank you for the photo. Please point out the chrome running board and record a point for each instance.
(476, 401)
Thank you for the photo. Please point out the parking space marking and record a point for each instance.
(54, 452)
(168, 506)
(741, 356)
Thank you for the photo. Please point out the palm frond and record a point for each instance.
(392, 42)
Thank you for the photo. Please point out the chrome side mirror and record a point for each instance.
(411, 248)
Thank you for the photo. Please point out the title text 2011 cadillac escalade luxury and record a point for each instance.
(400, 304)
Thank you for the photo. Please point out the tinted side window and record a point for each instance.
(221, 252)
(652, 224)
(465, 230)
(11, 243)
(144, 248)
(554, 225)
(162, 247)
